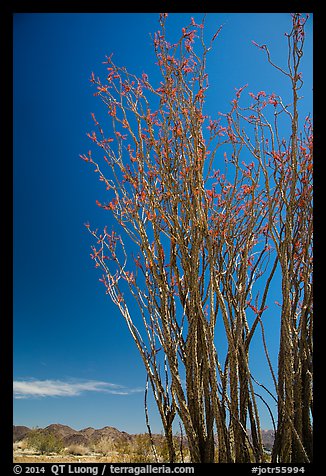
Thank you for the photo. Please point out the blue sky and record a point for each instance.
(74, 361)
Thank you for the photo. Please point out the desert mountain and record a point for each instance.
(70, 436)
(20, 432)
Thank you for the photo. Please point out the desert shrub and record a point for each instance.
(162, 451)
(44, 442)
(141, 450)
(24, 444)
(20, 445)
(105, 445)
(16, 445)
(123, 450)
(77, 450)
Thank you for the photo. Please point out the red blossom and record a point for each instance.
(256, 310)
(112, 111)
(239, 91)
(123, 137)
(272, 100)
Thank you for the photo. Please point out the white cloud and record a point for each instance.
(59, 388)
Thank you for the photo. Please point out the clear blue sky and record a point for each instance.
(74, 361)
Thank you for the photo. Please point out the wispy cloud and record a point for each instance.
(59, 388)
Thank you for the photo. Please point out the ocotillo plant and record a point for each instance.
(211, 230)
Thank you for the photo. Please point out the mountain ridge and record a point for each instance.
(70, 435)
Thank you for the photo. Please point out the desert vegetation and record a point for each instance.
(42, 446)
(216, 209)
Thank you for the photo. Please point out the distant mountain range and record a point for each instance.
(69, 436)
(90, 435)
